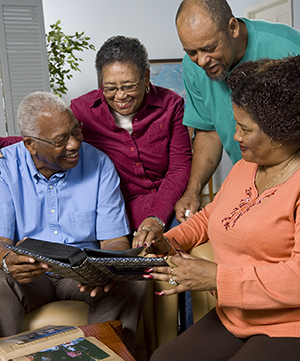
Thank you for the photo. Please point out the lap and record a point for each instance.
(209, 340)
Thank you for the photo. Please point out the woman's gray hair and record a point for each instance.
(31, 107)
(122, 49)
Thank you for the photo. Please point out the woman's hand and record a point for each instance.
(148, 231)
(189, 274)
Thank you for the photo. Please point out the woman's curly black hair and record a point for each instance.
(269, 91)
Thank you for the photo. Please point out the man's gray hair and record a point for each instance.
(31, 107)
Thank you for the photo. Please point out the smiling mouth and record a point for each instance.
(123, 104)
(243, 149)
(72, 156)
(212, 69)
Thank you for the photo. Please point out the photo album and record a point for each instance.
(53, 343)
(94, 267)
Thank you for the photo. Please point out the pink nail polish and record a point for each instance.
(148, 276)
(148, 270)
(159, 293)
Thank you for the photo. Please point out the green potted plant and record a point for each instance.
(62, 58)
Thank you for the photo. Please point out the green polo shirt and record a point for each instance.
(208, 102)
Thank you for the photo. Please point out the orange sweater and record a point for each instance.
(256, 244)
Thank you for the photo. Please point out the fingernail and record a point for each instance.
(148, 270)
(148, 276)
(159, 293)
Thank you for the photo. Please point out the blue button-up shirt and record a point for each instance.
(77, 207)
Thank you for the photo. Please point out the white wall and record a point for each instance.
(150, 21)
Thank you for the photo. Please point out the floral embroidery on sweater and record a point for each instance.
(244, 207)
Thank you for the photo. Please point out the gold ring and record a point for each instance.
(147, 229)
(135, 233)
(171, 270)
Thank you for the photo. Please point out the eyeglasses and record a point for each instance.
(63, 139)
(110, 91)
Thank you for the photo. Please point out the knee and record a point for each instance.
(160, 354)
(9, 290)
(6, 282)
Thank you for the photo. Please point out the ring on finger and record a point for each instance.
(146, 229)
(171, 270)
(172, 281)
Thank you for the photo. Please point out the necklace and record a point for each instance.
(269, 185)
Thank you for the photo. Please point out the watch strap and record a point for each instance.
(3, 263)
(161, 223)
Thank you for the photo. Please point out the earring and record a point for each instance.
(147, 89)
(272, 146)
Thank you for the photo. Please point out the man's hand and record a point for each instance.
(25, 269)
(97, 290)
(187, 205)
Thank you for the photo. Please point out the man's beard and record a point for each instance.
(220, 77)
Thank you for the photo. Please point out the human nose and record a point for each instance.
(237, 135)
(202, 59)
(74, 141)
(120, 93)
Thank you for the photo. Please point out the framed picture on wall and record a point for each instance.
(168, 74)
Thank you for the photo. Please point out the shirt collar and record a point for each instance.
(34, 171)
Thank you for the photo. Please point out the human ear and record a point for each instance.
(147, 78)
(30, 145)
(234, 27)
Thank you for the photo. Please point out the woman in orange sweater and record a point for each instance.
(253, 225)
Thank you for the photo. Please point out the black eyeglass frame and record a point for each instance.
(63, 142)
(116, 89)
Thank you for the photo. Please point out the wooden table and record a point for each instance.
(109, 333)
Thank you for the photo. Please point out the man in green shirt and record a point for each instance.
(215, 43)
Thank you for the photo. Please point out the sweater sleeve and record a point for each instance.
(177, 176)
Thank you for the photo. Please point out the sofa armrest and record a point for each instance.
(202, 301)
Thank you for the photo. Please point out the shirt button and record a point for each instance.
(135, 120)
(51, 187)
(52, 210)
(132, 149)
(153, 190)
(55, 232)
(134, 135)
(137, 164)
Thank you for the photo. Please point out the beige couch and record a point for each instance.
(159, 322)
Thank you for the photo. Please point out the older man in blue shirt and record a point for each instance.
(54, 187)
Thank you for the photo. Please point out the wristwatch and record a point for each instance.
(161, 223)
(4, 265)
